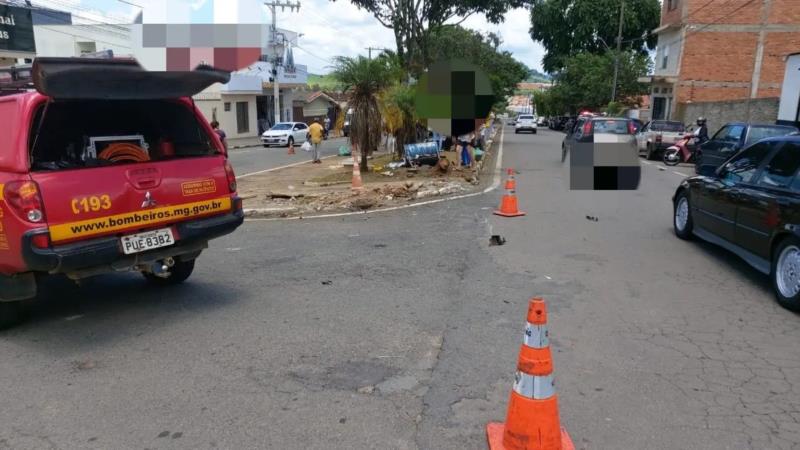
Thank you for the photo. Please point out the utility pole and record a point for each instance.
(276, 59)
(370, 49)
(619, 50)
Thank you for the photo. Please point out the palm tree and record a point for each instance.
(364, 79)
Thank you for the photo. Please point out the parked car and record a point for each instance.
(750, 205)
(108, 168)
(733, 137)
(285, 134)
(658, 135)
(542, 121)
(525, 122)
(512, 121)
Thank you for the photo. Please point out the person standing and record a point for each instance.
(315, 134)
(222, 136)
(464, 143)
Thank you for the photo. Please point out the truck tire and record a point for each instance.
(651, 154)
(11, 314)
(177, 274)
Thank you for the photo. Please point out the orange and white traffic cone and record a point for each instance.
(532, 422)
(509, 206)
(291, 148)
(511, 183)
(358, 185)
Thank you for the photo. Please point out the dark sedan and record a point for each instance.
(751, 206)
(735, 136)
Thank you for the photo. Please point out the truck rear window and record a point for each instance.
(90, 133)
(669, 127)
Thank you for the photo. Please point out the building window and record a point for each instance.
(665, 57)
(672, 4)
(227, 106)
(242, 117)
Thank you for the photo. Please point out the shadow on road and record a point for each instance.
(108, 308)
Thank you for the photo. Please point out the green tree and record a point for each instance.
(364, 79)
(568, 27)
(504, 72)
(412, 21)
(584, 81)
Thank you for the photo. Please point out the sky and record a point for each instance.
(329, 28)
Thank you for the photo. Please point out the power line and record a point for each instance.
(649, 33)
(695, 31)
(327, 60)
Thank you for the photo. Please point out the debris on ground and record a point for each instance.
(497, 240)
(592, 218)
(443, 165)
(327, 283)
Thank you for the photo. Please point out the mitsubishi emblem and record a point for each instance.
(148, 201)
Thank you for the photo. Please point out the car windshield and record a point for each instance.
(525, 117)
(762, 132)
(281, 126)
(670, 127)
(611, 126)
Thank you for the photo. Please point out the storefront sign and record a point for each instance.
(16, 30)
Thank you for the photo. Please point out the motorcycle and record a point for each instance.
(679, 152)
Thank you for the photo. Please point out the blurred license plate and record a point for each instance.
(142, 242)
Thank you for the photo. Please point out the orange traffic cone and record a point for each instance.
(509, 206)
(358, 185)
(291, 148)
(532, 422)
(511, 183)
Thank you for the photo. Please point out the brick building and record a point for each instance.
(721, 50)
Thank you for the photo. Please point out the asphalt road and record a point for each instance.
(400, 330)
(255, 159)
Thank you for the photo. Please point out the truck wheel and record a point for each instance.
(534, 131)
(11, 314)
(651, 154)
(177, 274)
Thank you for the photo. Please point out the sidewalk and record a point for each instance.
(234, 144)
(306, 189)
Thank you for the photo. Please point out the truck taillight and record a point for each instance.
(659, 138)
(631, 128)
(587, 128)
(24, 199)
(231, 176)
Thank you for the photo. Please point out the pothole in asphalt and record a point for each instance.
(350, 375)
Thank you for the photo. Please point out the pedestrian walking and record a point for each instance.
(315, 134)
(221, 133)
